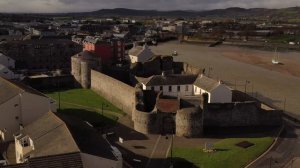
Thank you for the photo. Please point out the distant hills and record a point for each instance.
(234, 12)
(292, 12)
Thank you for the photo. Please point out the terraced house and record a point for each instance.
(17, 109)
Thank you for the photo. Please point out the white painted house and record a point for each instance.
(170, 85)
(188, 85)
(217, 91)
(19, 106)
(6, 73)
(140, 54)
(6, 66)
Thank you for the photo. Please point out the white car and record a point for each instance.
(174, 53)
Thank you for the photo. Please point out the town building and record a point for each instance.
(216, 90)
(59, 141)
(140, 54)
(7, 65)
(170, 85)
(109, 50)
(17, 109)
(188, 85)
(7, 61)
(41, 55)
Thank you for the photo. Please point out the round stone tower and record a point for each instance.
(85, 74)
(82, 64)
(76, 68)
(189, 122)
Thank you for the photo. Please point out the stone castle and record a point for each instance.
(167, 97)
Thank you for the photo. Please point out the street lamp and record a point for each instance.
(171, 148)
(209, 71)
(246, 83)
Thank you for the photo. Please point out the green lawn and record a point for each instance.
(296, 20)
(284, 38)
(87, 105)
(227, 155)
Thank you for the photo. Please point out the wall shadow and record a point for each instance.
(126, 133)
(240, 132)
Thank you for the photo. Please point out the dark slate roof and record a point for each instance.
(50, 136)
(46, 42)
(10, 89)
(69, 160)
(135, 51)
(159, 80)
(206, 83)
(86, 55)
(90, 39)
(60, 146)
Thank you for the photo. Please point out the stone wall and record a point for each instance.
(118, 93)
(240, 114)
(182, 67)
(51, 82)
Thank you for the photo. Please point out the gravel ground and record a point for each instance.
(271, 85)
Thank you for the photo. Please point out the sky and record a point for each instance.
(52, 6)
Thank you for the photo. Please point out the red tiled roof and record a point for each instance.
(167, 105)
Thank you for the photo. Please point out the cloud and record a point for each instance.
(90, 5)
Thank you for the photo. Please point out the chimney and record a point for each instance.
(134, 44)
(21, 127)
(145, 46)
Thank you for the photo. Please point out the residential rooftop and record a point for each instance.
(173, 79)
(10, 89)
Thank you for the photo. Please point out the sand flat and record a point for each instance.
(271, 83)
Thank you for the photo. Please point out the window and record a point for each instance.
(161, 88)
(178, 88)
(170, 88)
(25, 142)
(152, 87)
(186, 88)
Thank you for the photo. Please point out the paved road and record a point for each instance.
(150, 150)
(158, 157)
(287, 148)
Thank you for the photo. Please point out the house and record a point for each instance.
(109, 50)
(6, 73)
(42, 55)
(188, 85)
(170, 85)
(7, 61)
(140, 54)
(19, 106)
(216, 90)
(123, 35)
(60, 141)
(6, 68)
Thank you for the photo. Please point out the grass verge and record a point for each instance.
(226, 154)
(86, 105)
